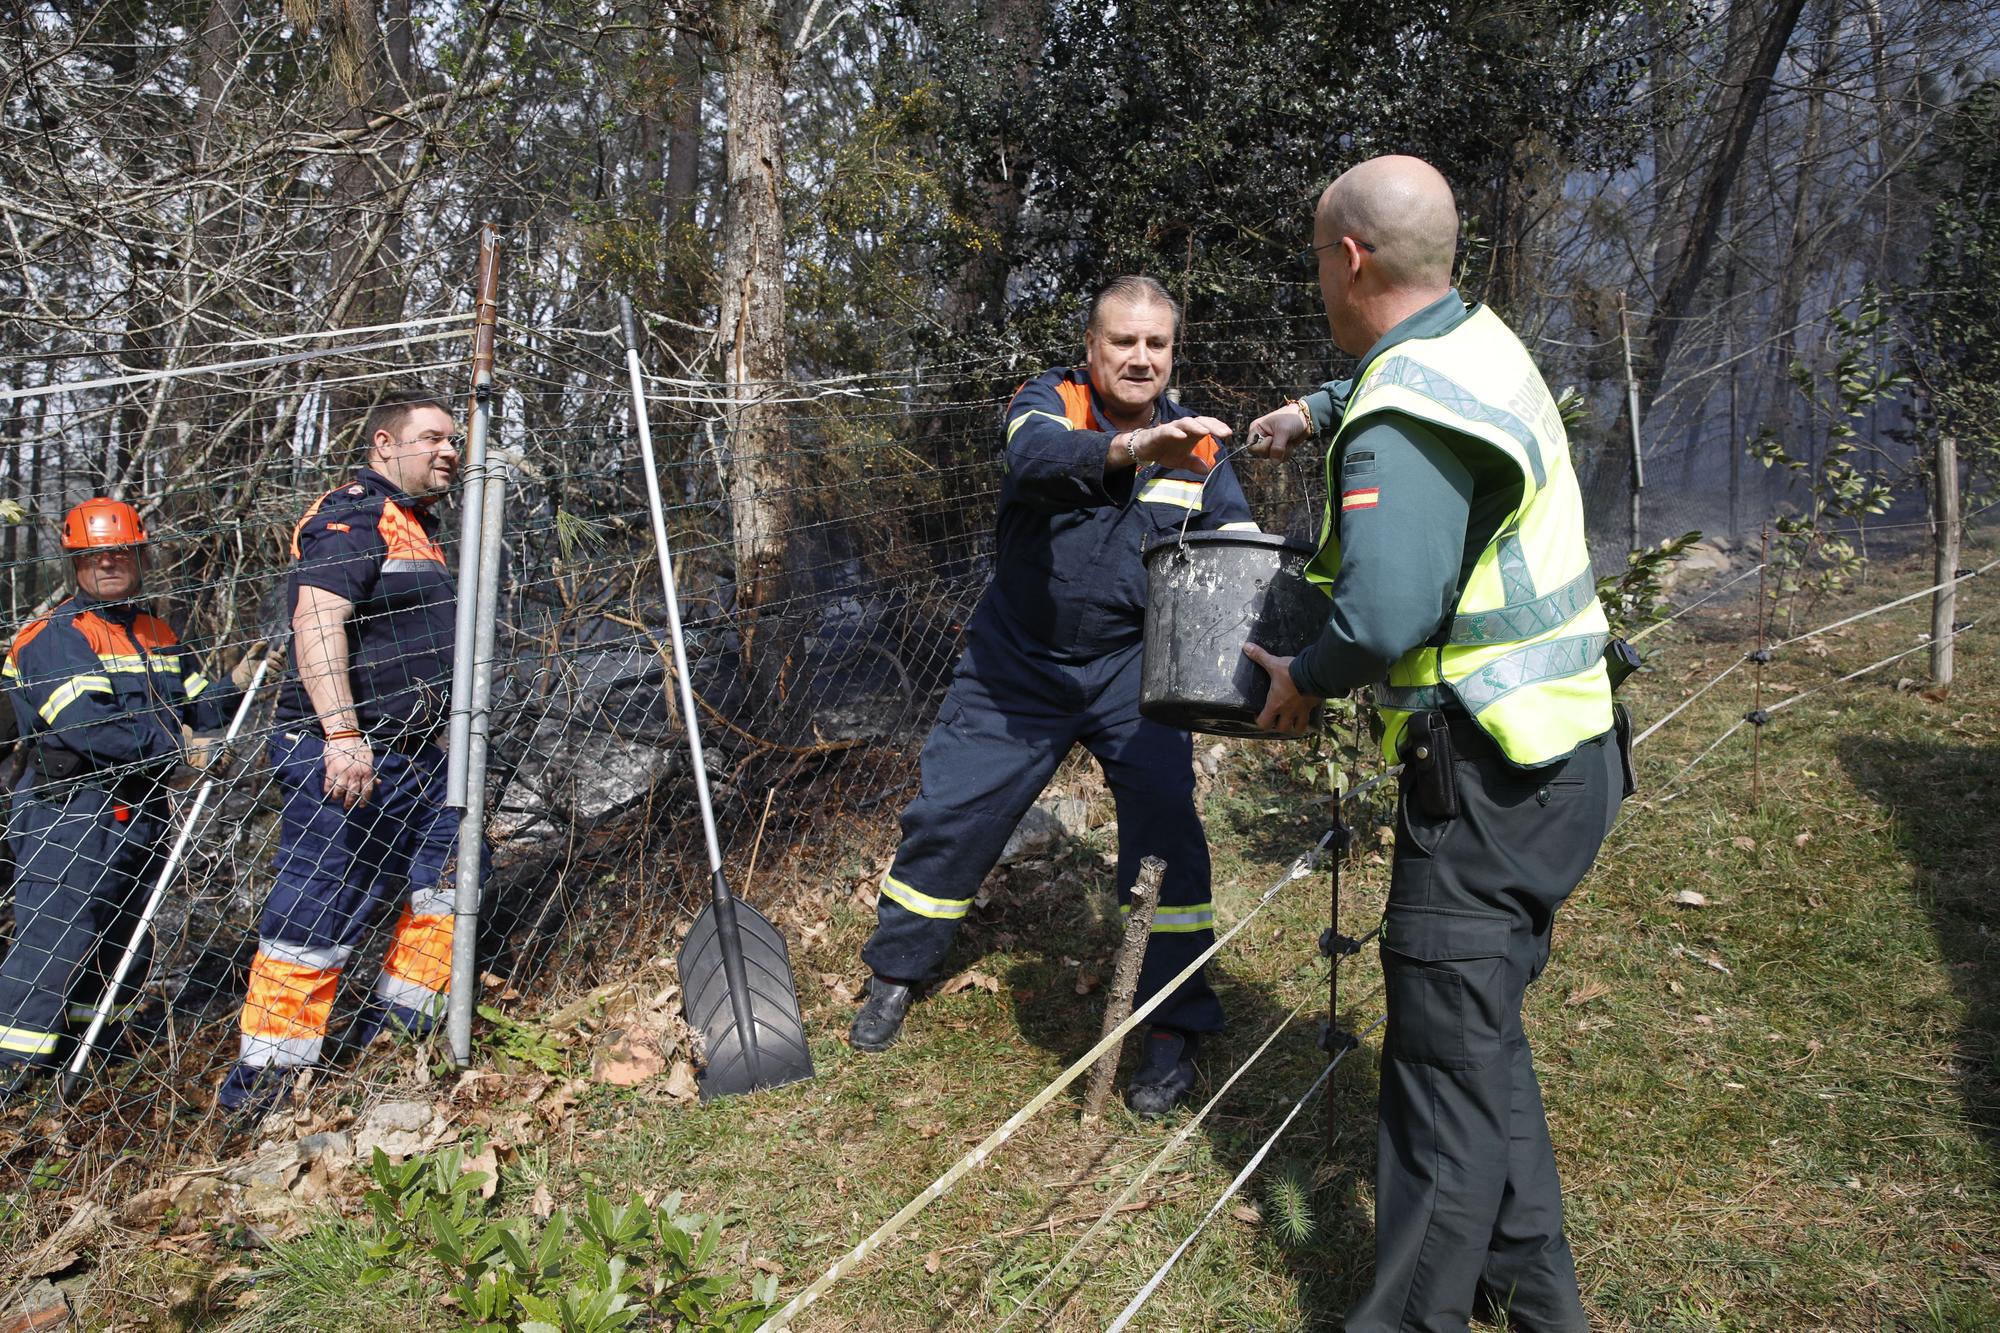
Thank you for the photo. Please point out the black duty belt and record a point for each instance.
(125, 787)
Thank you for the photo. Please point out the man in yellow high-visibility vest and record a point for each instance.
(1453, 546)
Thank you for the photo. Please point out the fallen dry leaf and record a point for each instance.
(556, 1103)
(774, 1269)
(1744, 844)
(970, 977)
(844, 989)
(1689, 898)
(933, 1261)
(542, 1203)
(487, 1162)
(681, 1084)
(630, 1060)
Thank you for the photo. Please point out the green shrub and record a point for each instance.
(601, 1270)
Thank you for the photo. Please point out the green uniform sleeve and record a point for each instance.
(1404, 501)
(1327, 403)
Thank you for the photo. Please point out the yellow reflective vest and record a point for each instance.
(1523, 652)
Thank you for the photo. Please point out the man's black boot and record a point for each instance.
(880, 1021)
(18, 1079)
(1165, 1075)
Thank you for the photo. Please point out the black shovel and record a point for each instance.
(736, 978)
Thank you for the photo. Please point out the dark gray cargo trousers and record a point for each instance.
(1468, 1210)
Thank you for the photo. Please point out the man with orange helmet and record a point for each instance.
(101, 690)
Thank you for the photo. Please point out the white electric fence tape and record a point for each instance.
(1300, 868)
(217, 367)
(1249, 1169)
(1152, 1168)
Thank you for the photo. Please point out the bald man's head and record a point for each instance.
(1403, 209)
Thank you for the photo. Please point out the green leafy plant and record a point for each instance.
(1637, 597)
(1808, 556)
(613, 1264)
(522, 1043)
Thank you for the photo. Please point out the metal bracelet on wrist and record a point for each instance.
(1305, 413)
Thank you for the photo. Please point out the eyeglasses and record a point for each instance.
(431, 439)
(1309, 257)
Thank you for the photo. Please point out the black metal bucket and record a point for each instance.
(1207, 595)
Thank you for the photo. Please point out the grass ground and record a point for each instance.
(1779, 1110)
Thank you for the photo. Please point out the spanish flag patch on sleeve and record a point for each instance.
(1364, 498)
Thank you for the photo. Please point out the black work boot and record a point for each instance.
(18, 1079)
(1165, 1075)
(880, 1021)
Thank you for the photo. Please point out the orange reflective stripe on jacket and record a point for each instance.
(1076, 407)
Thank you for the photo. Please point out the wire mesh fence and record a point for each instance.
(811, 701)
(813, 694)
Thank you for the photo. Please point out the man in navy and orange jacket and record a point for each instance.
(1100, 461)
(364, 821)
(101, 690)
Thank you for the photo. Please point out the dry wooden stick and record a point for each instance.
(758, 845)
(1125, 980)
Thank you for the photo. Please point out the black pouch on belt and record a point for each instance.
(1622, 723)
(1428, 773)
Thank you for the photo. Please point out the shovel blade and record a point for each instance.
(782, 1055)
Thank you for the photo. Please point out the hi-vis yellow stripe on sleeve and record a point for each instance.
(70, 691)
(938, 909)
(1171, 491)
(1239, 527)
(1017, 422)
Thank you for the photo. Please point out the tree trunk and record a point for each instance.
(950, 517)
(683, 180)
(1800, 250)
(216, 50)
(762, 475)
(1730, 135)
(373, 69)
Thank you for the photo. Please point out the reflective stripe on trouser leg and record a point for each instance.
(286, 1010)
(1001, 730)
(336, 872)
(417, 971)
(1150, 770)
(79, 1014)
(54, 929)
(416, 974)
(79, 873)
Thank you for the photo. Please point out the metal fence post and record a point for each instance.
(1632, 414)
(472, 823)
(471, 507)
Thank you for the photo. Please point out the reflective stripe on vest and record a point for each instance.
(1523, 651)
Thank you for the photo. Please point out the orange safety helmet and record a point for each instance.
(99, 523)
